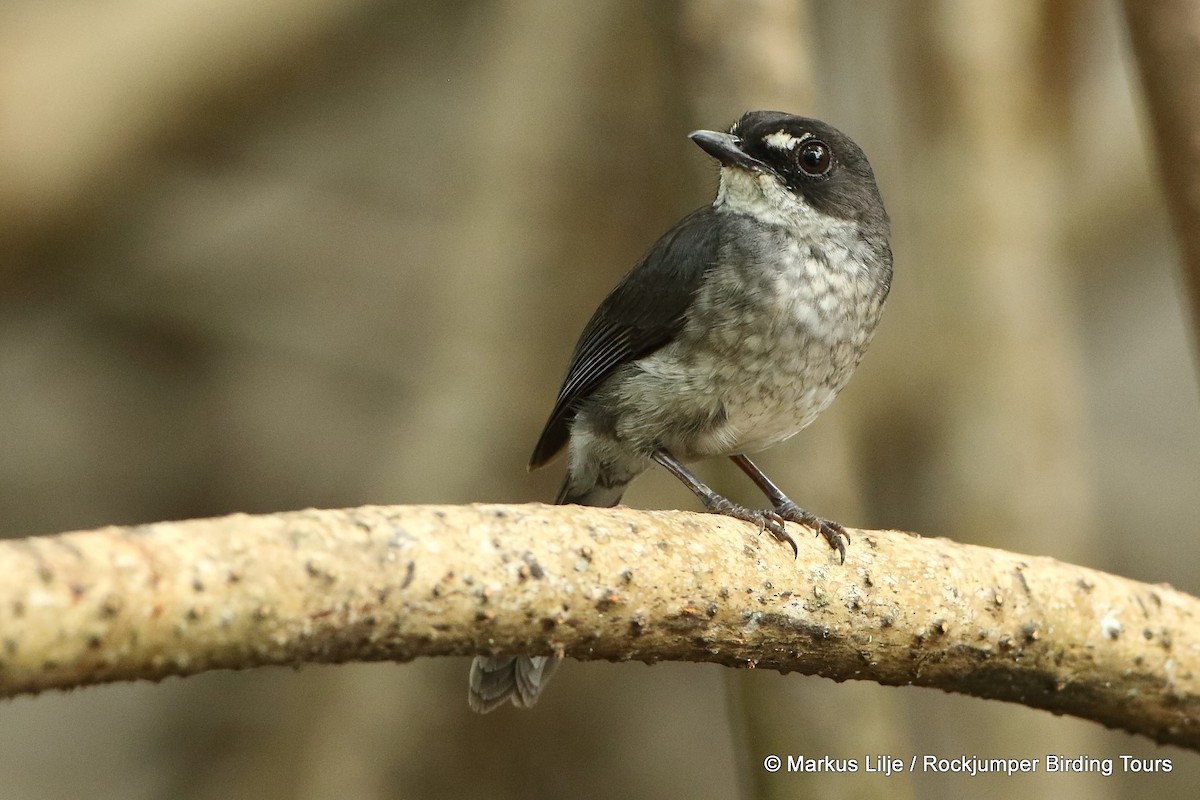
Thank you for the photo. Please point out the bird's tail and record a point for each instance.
(597, 494)
(495, 679)
(522, 679)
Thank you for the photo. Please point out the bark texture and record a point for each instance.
(400, 582)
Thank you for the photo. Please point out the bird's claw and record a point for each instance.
(775, 524)
(774, 521)
(833, 532)
(765, 520)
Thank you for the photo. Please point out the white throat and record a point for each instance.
(763, 197)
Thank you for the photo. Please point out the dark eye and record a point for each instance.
(815, 158)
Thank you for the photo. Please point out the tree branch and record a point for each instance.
(396, 583)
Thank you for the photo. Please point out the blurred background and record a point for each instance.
(264, 256)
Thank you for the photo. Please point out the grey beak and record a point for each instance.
(727, 149)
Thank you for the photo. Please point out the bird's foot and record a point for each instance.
(833, 532)
(765, 520)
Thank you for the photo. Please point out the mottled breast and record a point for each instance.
(777, 335)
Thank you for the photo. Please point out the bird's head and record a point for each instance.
(792, 171)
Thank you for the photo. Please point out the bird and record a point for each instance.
(735, 330)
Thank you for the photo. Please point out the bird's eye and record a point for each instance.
(815, 158)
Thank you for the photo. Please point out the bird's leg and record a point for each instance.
(716, 504)
(833, 532)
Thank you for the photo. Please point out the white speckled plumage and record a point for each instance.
(762, 376)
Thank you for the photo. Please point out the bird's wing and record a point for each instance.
(644, 312)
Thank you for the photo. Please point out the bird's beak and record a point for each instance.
(727, 149)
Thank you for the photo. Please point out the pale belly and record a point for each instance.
(716, 402)
(760, 358)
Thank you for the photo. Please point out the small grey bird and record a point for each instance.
(737, 328)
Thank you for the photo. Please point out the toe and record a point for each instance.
(779, 531)
(836, 536)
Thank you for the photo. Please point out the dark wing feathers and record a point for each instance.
(644, 312)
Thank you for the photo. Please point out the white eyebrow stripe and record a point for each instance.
(782, 140)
